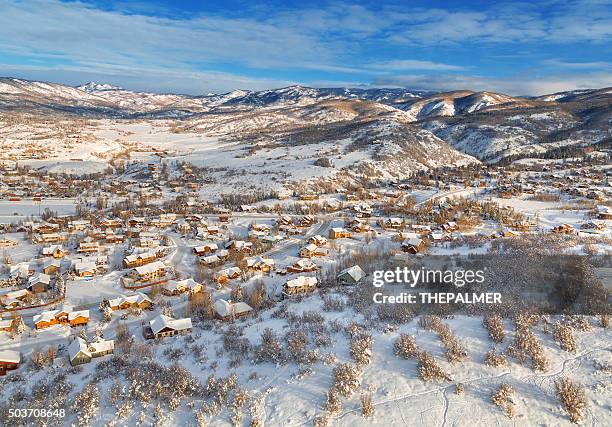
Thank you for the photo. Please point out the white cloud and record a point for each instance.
(413, 64)
(510, 85)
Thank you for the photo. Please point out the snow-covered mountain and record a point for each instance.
(489, 126)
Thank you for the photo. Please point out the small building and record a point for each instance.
(38, 283)
(138, 300)
(205, 249)
(78, 318)
(88, 247)
(223, 276)
(136, 260)
(339, 233)
(227, 310)
(149, 272)
(80, 352)
(307, 221)
(413, 245)
(311, 250)
(264, 265)
(318, 240)
(300, 285)
(51, 266)
(164, 326)
(9, 360)
(604, 212)
(351, 276)
(55, 251)
(302, 266)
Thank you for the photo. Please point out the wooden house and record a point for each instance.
(307, 221)
(302, 266)
(205, 249)
(149, 272)
(300, 285)
(312, 250)
(227, 310)
(264, 265)
(52, 266)
(339, 233)
(55, 251)
(124, 302)
(223, 276)
(351, 276)
(78, 318)
(413, 245)
(136, 260)
(164, 326)
(38, 283)
(9, 360)
(80, 352)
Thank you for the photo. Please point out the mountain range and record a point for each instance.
(489, 126)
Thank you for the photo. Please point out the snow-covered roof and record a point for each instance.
(160, 322)
(415, 241)
(101, 346)
(75, 314)
(150, 268)
(355, 272)
(9, 356)
(225, 308)
(302, 281)
(131, 299)
(77, 346)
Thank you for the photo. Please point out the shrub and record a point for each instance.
(495, 326)
(455, 352)
(270, 349)
(346, 379)
(503, 398)
(405, 346)
(572, 397)
(564, 336)
(494, 359)
(367, 405)
(459, 389)
(361, 349)
(429, 370)
(333, 405)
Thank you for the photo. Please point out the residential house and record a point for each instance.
(413, 245)
(227, 310)
(300, 285)
(164, 326)
(6, 243)
(88, 246)
(302, 266)
(38, 283)
(223, 276)
(124, 302)
(52, 266)
(339, 233)
(240, 246)
(311, 250)
(55, 251)
(205, 249)
(78, 318)
(351, 275)
(143, 258)
(307, 221)
(80, 352)
(318, 240)
(9, 360)
(149, 272)
(177, 287)
(264, 265)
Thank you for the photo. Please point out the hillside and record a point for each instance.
(490, 126)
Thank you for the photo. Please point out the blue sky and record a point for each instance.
(522, 48)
